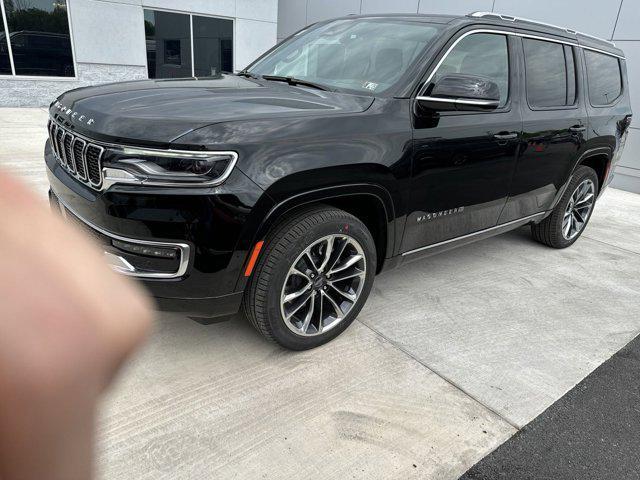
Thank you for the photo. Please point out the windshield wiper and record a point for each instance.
(295, 81)
(246, 73)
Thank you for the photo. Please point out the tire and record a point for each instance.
(552, 231)
(273, 280)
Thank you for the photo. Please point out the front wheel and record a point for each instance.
(312, 279)
(570, 217)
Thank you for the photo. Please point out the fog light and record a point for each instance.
(147, 250)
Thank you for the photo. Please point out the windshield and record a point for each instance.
(365, 54)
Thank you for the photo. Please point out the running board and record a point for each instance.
(475, 236)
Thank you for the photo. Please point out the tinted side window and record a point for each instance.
(484, 54)
(604, 78)
(551, 74)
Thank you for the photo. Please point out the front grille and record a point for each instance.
(79, 157)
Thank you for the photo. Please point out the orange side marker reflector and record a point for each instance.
(253, 258)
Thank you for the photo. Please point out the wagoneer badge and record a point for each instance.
(73, 115)
(444, 213)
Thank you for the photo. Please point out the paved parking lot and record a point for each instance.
(449, 358)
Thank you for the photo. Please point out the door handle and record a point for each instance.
(577, 128)
(505, 136)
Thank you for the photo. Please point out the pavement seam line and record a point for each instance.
(611, 245)
(442, 376)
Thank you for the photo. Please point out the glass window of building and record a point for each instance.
(5, 63)
(168, 38)
(212, 46)
(39, 38)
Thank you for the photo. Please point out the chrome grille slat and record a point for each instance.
(67, 143)
(93, 155)
(80, 158)
(52, 136)
(59, 146)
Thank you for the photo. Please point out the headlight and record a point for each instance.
(147, 166)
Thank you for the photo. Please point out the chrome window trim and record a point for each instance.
(471, 235)
(497, 31)
(458, 101)
(183, 248)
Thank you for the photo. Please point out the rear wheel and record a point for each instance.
(312, 279)
(570, 217)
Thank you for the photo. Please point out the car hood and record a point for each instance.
(160, 111)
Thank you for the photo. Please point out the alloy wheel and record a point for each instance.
(323, 284)
(579, 209)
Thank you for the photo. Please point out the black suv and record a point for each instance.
(353, 146)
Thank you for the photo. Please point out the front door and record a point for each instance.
(463, 161)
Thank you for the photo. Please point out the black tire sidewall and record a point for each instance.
(581, 174)
(347, 225)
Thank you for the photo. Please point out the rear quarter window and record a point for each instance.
(604, 78)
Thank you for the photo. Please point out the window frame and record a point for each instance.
(13, 75)
(452, 44)
(190, 15)
(576, 66)
(422, 83)
(620, 72)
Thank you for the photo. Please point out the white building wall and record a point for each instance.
(109, 42)
(616, 20)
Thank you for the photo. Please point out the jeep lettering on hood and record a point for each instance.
(159, 111)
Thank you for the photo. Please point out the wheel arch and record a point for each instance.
(598, 157)
(370, 203)
(599, 160)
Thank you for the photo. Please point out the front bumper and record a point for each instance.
(131, 256)
(203, 227)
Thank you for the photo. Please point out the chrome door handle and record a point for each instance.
(505, 136)
(577, 128)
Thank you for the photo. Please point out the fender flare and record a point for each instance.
(301, 199)
(592, 152)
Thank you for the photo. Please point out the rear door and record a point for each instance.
(554, 124)
(463, 161)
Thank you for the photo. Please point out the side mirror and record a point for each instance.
(461, 92)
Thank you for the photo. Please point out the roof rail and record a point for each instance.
(511, 18)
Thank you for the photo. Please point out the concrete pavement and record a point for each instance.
(449, 358)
